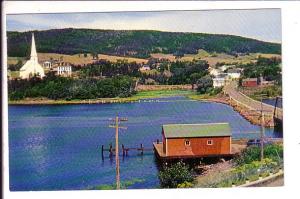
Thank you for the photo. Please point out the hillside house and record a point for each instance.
(47, 64)
(220, 80)
(225, 67)
(249, 82)
(194, 140)
(215, 72)
(145, 68)
(234, 73)
(63, 69)
(263, 82)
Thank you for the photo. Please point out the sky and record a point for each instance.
(261, 24)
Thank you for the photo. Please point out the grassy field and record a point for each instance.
(170, 57)
(14, 74)
(76, 59)
(213, 58)
(163, 93)
(14, 60)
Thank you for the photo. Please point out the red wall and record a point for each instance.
(249, 83)
(198, 146)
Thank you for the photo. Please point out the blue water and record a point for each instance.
(58, 147)
(273, 102)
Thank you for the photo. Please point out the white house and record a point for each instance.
(220, 80)
(234, 73)
(225, 67)
(215, 72)
(64, 70)
(32, 67)
(145, 68)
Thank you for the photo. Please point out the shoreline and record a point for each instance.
(143, 95)
(135, 98)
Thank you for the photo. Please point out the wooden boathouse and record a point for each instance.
(194, 141)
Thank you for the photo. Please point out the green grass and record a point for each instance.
(139, 96)
(124, 184)
(163, 93)
(15, 74)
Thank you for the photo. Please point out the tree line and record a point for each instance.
(269, 68)
(135, 43)
(110, 69)
(55, 87)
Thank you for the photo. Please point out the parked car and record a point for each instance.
(256, 142)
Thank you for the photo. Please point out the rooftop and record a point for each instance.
(250, 79)
(196, 130)
(234, 70)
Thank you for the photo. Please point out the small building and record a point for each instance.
(63, 69)
(249, 82)
(215, 72)
(263, 82)
(234, 73)
(194, 140)
(47, 64)
(145, 68)
(220, 80)
(225, 67)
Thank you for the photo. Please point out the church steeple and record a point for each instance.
(32, 66)
(33, 55)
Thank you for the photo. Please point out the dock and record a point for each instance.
(125, 150)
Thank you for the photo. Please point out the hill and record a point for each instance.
(134, 43)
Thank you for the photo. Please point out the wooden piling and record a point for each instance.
(142, 149)
(110, 150)
(102, 151)
(123, 150)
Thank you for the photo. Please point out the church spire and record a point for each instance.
(33, 55)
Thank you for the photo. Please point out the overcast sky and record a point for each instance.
(264, 24)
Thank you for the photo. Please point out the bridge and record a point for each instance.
(252, 105)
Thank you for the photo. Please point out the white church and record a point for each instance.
(32, 67)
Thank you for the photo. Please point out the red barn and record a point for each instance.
(249, 82)
(194, 140)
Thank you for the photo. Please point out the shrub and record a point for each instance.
(205, 84)
(175, 175)
(252, 153)
(185, 185)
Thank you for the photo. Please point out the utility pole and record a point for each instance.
(117, 127)
(262, 133)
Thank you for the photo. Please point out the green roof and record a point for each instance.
(196, 130)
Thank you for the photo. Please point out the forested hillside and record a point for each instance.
(135, 43)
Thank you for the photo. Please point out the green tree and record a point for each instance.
(194, 78)
(205, 84)
(174, 175)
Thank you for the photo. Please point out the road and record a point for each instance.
(276, 183)
(231, 90)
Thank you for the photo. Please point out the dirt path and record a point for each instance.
(213, 169)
